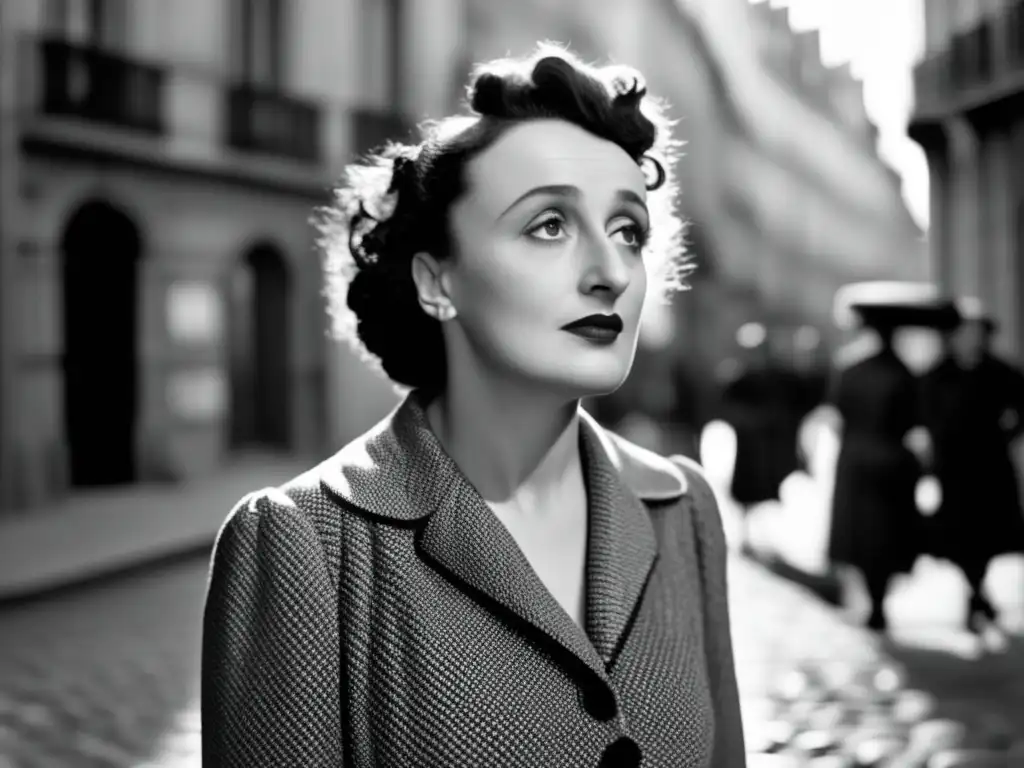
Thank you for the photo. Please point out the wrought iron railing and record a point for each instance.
(99, 86)
(269, 122)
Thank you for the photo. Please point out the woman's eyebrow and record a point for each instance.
(568, 190)
(565, 190)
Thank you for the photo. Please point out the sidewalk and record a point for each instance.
(809, 673)
(97, 532)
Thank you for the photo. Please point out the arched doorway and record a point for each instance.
(259, 350)
(99, 264)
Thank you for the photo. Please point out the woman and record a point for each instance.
(487, 578)
(875, 521)
(973, 405)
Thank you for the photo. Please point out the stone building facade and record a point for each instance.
(969, 119)
(161, 294)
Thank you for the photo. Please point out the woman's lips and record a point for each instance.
(599, 328)
(595, 333)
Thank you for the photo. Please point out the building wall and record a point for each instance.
(322, 64)
(199, 206)
(976, 243)
(10, 158)
(788, 129)
(435, 56)
(827, 209)
(977, 237)
(193, 232)
(945, 18)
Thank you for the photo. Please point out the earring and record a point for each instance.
(447, 312)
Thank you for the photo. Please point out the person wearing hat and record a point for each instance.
(875, 522)
(973, 404)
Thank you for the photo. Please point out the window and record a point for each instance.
(259, 42)
(99, 23)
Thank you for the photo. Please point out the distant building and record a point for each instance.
(161, 294)
(969, 119)
(817, 190)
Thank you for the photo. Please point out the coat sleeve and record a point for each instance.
(270, 649)
(1011, 391)
(729, 747)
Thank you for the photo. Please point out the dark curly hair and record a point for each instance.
(396, 202)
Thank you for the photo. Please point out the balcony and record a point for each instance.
(980, 74)
(77, 102)
(270, 123)
(971, 57)
(101, 87)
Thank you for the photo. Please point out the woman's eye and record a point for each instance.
(632, 236)
(552, 229)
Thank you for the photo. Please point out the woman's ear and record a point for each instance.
(432, 286)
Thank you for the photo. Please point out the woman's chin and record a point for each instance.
(594, 380)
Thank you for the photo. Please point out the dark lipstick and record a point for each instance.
(599, 328)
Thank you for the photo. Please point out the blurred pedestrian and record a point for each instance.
(875, 522)
(487, 577)
(974, 410)
(761, 402)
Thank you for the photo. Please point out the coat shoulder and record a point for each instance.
(285, 500)
(269, 625)
(285, 520)
(700, 488)
(708, 524)
(692, 471)
(651, 476)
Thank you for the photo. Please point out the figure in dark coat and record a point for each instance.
(974, 408)
(763, 404)
(875, 521)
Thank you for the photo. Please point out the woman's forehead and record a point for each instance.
(551, 153)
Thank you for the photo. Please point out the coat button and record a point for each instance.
(599, 702)
(621, 753)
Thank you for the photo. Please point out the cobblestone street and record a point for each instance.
(107, 675)
(814, 684)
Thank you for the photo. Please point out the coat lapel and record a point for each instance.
(400, 472)
(465, 539)
(622, 546)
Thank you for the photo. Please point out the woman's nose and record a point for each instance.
(607, 267)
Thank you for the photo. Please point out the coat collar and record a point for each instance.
(399, 473)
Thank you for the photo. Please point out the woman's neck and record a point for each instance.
(512, 445)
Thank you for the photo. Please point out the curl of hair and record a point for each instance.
(395, 202)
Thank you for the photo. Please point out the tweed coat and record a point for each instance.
(375, 612)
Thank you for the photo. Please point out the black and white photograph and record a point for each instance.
(512, 383)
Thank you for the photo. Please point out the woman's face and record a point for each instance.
(549, 231)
